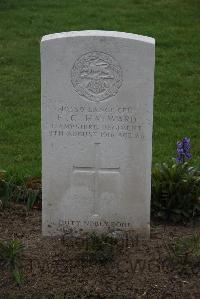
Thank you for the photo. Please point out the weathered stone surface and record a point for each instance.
(97, 110)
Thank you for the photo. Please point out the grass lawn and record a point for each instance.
(173, 23)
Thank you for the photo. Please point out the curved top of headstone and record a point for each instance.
(118, 34)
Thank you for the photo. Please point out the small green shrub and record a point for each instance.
(10, 251)
(32, 196)
(13, 189)
(175, 192)
(99, 248)
(185, 250)
(10, 188)
(10, 254)
(6, 191)
(17, 276)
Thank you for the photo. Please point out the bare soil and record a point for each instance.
(54, 268)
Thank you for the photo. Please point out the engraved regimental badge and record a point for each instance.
(96, 76)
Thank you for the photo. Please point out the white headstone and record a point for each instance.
(97, 110)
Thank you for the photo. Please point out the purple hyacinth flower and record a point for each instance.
(183, 148)
(188, 155)
(179, 159)
(186, 140)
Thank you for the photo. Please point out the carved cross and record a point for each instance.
(95, 170)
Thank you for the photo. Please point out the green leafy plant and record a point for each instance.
(185, 250)
(10, 254)
(17, 276)
(31, 198)
(15, 189)
(6, 191)
(11, 188)
(99, 248)
(175, 192)
(10, 251)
